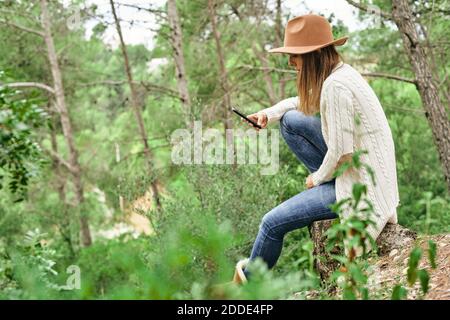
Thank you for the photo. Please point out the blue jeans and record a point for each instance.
(304, 137)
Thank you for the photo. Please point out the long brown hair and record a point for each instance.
(316, 66)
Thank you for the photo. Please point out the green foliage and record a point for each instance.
(399, 293)
(29, 268)
(413, 263)
(20, 155)
(429, 202)
(349, 235)
(414, 273)
(432, 249)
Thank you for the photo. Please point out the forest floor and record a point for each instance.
(391, 269)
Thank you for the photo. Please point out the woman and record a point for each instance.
(327, 85)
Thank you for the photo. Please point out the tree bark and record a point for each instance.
(282, 88)
(393, 236)
(176, 40)
(227, 122)
(435, 111)
(30, 85)
(223, 71)
(137, 109)
(60, 182)
(267, 77)
(278, 26)
(65, 119)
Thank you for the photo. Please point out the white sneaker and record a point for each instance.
(239, 275)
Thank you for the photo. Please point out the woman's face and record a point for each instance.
(295, 60)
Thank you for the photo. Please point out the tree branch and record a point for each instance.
(367, 74)
(153, 87)
(367, 9)
(246, 66)
(59, 159)
(29, 85)
(389, 76)
(159, 13)
(147, 85)
(26, 29)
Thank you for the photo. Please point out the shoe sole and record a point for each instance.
(241, 278)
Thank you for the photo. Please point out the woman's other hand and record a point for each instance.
(309, 182)
(260, 118)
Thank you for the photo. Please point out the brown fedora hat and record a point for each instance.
(307, 33)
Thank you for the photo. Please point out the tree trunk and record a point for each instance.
(227, 122)
(434, 109)
(282, 89)
(65, 120)
(176, 40)
(323, 263)
(223, 71)
(137, 109)
(393, 236)
(60, 182)
(267, 77)
(278, 26)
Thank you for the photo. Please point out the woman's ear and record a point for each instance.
(291, 60)
(298, 62)
(294, 60)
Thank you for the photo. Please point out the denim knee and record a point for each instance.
(286, 120)
(268, 226)
(295, 122)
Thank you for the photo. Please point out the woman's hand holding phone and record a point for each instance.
(260, 118)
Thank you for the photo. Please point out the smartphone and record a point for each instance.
(247, 119)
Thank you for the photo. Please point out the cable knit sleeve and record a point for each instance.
(276, 112)
(338, 111)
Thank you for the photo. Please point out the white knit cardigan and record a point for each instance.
(346, 94)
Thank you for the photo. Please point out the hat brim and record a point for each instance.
(306, 49)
